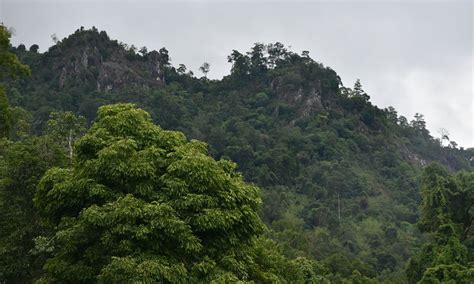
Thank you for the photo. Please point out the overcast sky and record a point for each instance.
(414, 55)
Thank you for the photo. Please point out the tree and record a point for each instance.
(21, 47)
(419, 124)
(54, 38)
(357, 91)
(21, 123)
(142, 203)
(181, 69)
(453, 144)
(444, 135)
(21, 166)
(445, 214)
(257, 59)
(391, 114)
(453, 273)
(164, 57)
(276, 53)
(205, 68)
(143, 50)
(240, 64)
(34, 48)
(11, 67)
(66, 128)
(5, 115)
(446, 199)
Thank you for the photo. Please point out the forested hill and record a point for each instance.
(340, 177)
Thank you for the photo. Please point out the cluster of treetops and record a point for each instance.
(324, 188)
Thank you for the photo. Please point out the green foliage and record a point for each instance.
(65, 128)
(340, 177)
(21, 166)
(451, 273)
(446, 214)
(21, 123)
(142, 203)
(5, 114)
(10, 67)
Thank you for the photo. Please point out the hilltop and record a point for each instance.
(340, 177)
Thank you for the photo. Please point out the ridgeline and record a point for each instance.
(340, 178)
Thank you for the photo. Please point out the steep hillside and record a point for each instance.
(84, 63)
(340, 176)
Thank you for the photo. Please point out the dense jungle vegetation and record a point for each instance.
(118, 166)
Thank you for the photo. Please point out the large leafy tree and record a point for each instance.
(10, 66)
(142, 203)
(21, 166)
(446, 214)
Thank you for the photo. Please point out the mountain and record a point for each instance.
(340, 176)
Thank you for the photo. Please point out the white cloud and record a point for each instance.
(443, 96)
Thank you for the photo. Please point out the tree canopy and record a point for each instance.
(447, 215)
(142, 203)
(10, 67)
(340, 178)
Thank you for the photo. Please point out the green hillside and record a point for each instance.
(340, 178)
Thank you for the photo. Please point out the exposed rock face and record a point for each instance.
(312, 103)
(307, 100)
(417, 160)
(113, 75)
(81, 57)
(78, 62)
(85, 57)
(154, 66)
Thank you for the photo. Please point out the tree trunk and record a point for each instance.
(69, 144)
(339, 208)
